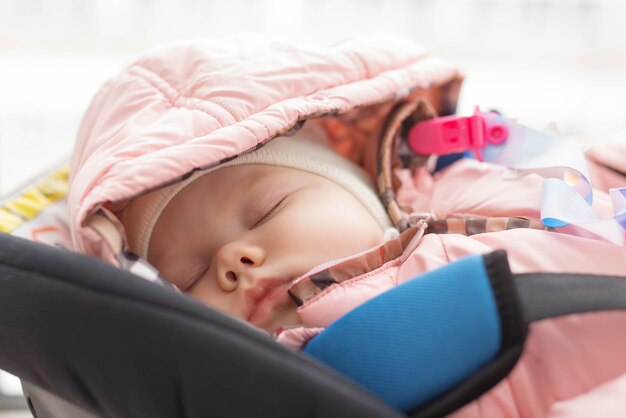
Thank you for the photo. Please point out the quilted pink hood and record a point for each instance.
(190, 105)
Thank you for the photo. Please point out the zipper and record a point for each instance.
(331, 263)
(422, 224)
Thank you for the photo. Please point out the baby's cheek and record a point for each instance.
(360, 230)
(344, 243)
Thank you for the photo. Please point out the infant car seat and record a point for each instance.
(90, 340)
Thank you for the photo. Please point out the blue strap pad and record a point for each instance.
(419, 339)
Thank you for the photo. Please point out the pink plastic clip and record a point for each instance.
(455, 134)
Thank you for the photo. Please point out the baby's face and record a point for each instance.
(235, 238)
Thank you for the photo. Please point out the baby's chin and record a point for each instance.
(281, 318)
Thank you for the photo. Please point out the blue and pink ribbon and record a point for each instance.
(567, 194)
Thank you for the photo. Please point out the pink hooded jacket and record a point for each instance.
(191, 105)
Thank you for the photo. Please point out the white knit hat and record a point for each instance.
(307, 151)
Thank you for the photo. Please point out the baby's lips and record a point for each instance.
(264, 296)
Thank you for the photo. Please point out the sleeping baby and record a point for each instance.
(236, 236)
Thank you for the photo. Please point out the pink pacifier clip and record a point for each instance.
(455, 134)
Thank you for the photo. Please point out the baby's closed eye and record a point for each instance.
(266, 212)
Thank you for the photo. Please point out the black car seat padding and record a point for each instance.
(119, 346)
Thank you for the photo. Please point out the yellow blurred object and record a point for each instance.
(9, 221)
(26, 205)
(56, 185)
(29, 204)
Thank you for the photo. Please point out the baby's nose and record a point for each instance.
(237, 263)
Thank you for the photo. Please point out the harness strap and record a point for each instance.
(547, 295)
(455, 332)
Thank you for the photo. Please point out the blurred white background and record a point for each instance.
(537, 60)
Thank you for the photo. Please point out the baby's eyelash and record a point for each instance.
(269, 214)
